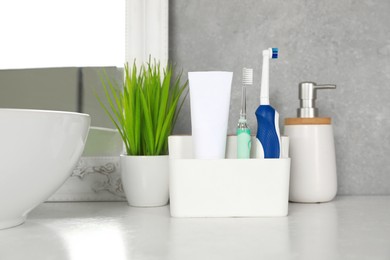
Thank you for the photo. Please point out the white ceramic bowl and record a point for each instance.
(38, 151)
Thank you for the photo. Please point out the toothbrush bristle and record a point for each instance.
(247, 76)
(275, 52)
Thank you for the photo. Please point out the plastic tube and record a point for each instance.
(210, 101)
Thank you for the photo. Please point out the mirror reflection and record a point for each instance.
(64, 89)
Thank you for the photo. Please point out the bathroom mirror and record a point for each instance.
(63, 89)
(37, 72)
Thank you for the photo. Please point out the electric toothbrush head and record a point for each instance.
(271, 53)
(275, 53)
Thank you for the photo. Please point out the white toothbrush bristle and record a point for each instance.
(247, 76)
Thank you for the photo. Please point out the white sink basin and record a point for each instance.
(38, 151)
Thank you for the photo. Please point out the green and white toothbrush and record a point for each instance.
(243, 131)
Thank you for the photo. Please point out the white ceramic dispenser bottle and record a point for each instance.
(313, 161)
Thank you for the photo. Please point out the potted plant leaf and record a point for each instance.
(145, 111)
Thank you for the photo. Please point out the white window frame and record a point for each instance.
(146, 31)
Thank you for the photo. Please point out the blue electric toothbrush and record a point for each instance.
(268, 134)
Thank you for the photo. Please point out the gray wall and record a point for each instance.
(343, 42)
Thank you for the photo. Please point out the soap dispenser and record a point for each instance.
(313, 162)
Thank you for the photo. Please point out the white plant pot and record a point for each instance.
(145, 180)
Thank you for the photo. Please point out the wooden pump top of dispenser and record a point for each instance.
(308, 121)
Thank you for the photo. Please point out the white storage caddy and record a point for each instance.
(228, 187)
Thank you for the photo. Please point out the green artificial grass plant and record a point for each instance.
(145, 110)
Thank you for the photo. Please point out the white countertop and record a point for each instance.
(347, 228)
